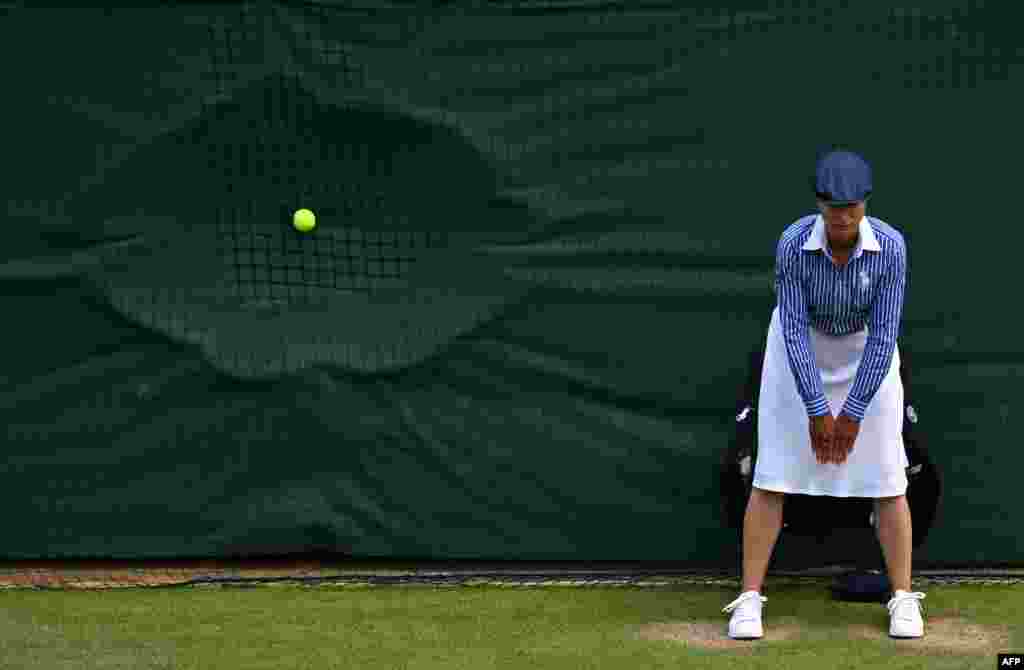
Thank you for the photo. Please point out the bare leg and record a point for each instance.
(761, 526)
(895, 534)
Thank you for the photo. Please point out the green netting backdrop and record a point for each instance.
(544, 246)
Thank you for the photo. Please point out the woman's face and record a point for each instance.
(841, 222)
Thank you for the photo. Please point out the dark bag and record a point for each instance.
(862, 586)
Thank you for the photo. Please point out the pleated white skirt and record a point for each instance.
(876, 468)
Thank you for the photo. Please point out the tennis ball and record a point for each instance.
(304, 220)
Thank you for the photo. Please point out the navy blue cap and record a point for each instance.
(842, 177)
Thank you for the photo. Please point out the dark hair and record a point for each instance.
(828, 196)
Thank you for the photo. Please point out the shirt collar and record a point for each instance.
(866, 241)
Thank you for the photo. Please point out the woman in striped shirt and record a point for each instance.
(830, 414)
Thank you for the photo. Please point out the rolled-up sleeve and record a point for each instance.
(883, 327)
(796, 325)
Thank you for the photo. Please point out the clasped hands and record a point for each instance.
(832, 439)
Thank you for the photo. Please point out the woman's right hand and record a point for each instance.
(821, 428)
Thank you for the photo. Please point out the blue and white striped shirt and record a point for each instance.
(814, 292)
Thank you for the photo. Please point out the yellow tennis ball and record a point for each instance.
(304, 220)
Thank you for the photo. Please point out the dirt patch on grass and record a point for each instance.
(943, 635)
(713, 635)
(946, 635)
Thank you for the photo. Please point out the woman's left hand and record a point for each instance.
(843, 436)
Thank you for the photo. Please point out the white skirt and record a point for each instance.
(876, 468)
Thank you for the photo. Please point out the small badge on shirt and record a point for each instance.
(865, 281)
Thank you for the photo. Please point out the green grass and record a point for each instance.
(291, 626)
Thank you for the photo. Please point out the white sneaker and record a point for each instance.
(745, 623)
(905, 614)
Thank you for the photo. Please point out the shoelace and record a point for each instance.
(743, 598)
(904, 599)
